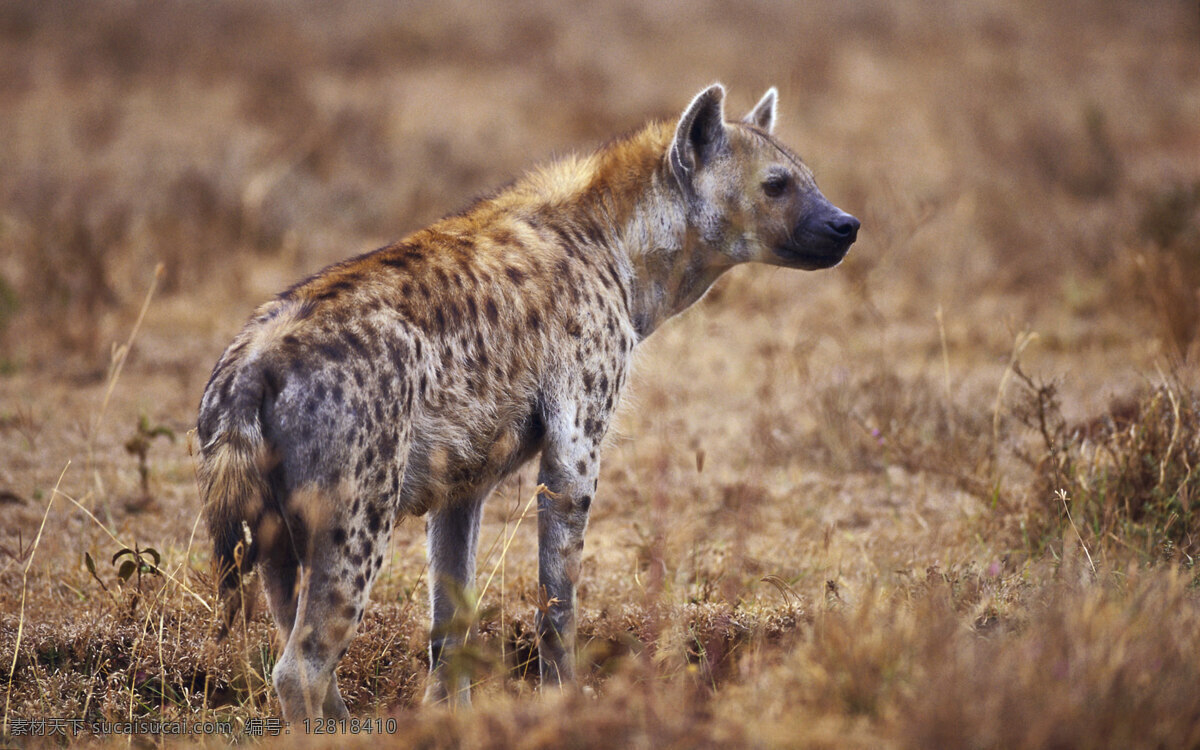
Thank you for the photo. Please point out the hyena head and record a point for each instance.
(747, 195)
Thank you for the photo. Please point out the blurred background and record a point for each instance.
(1023, 160)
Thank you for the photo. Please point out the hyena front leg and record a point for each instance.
(569, 470)
(453, 535)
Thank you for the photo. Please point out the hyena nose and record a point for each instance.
(843, 226)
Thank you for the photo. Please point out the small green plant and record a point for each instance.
(139, 445)
(135, 563)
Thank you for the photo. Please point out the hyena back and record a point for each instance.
(411, 379)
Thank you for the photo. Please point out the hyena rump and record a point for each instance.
(411, 379)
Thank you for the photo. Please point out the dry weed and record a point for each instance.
(1128, 474)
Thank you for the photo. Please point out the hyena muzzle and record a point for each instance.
(412, 379)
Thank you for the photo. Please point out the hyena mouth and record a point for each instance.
(806, 260)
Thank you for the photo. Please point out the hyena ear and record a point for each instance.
(763, 114)
(700, 133)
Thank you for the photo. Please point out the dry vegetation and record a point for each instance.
(943, 496)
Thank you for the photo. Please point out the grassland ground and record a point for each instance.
(941, 496)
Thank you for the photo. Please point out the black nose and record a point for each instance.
(843, 226)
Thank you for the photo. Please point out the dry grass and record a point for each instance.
(832, 516)
(1129, 474)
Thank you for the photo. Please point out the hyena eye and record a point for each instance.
(776, 185)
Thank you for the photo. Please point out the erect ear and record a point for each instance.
(763, 114)
(700, 133)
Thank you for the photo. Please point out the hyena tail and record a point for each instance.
(236, 493)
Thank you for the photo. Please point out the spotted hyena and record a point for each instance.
(410, 380)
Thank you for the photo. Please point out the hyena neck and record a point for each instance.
(633, 197)
(669, 268)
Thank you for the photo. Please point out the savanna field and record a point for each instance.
(942, 496)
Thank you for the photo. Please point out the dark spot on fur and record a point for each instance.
(564, 238)
(585, 503)
(534, 320)
(515, 274)
(593, 231)
(493, 314)
(398, 352)
(580, 236)
(332, 350)
(354, 342)
(334, 290)
(339, 536)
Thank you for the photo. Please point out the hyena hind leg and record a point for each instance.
(332, 589)
(279, 570)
